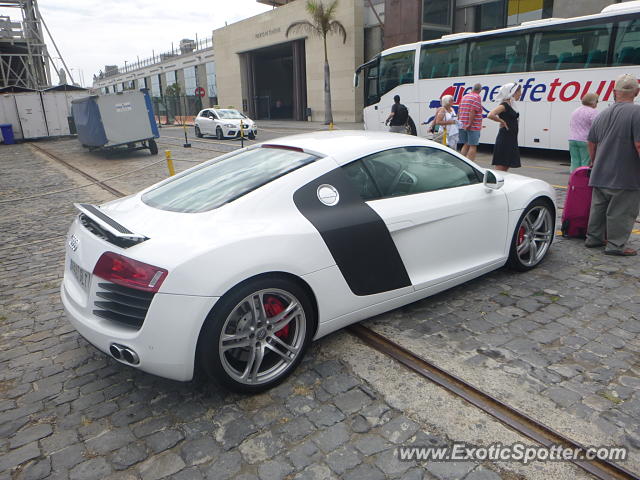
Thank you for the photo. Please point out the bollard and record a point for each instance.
(186, 142)
(241, 134)
(172, 172)
(330, 125)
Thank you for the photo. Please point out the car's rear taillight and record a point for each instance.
(130, 273)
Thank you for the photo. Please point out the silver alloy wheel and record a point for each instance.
(534, 236)
(258, 344)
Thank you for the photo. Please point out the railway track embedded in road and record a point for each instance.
(507, 415)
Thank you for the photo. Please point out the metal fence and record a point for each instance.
(176, 110)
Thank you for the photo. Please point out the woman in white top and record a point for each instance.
(447, 117)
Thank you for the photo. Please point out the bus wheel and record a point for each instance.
(411, 127)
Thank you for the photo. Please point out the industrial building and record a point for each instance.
(254, 66)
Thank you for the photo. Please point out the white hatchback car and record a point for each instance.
(224, 123)
(236, 264)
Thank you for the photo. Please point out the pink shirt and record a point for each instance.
(580, 123)
(471, 102)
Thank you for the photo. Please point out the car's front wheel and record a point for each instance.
(257, 334)
(533, 236)
(219, 134)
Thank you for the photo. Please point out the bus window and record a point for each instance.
(627, 51)
(504, 54)
(396, 69)
(437, 61)
(571, 47)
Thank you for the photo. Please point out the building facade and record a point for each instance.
(282, 76)
(180, 81)
(408, 21)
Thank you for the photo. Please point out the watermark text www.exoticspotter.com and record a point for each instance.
(516, 452)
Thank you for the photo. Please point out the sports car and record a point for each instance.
(236, 265)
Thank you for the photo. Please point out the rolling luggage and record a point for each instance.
(575, 216)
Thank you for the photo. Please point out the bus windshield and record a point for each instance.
(395, 69)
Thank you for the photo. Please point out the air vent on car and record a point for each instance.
(124, 305)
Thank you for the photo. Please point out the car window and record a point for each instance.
(225, 179)
(409, 170)
(205, 114)
(229, 114)
(213, 115)
(358, 175)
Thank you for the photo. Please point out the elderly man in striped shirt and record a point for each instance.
(470, 115)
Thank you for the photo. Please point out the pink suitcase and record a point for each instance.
(577, 204)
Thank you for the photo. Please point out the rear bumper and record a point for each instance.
(166, 343)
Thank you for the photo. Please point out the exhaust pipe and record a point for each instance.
(124, 354)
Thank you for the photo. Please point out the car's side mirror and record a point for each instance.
(493, 180)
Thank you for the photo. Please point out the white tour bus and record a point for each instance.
(555, 60)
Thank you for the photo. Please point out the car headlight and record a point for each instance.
(229, 125)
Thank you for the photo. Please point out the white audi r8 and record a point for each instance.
(235, 265)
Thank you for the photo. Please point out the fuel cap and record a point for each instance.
(328, 194)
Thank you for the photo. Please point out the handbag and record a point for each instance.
(435, 132)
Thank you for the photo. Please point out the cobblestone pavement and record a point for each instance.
(561, 342)
(69, 411)
(566, 333)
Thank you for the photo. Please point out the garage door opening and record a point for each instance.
(274, 85)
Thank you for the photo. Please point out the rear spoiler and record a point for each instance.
(108, 224)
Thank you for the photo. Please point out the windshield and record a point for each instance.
(224, 180)
(230, 114)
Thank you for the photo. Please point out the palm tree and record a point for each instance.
(322, 24)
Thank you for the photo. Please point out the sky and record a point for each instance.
(93, 33)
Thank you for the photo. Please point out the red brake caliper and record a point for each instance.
(521, 235)
(273, 306)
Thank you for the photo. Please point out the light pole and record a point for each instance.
(80, 75)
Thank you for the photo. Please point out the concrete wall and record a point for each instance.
(269, 29)
(402, 22)
(572, 8)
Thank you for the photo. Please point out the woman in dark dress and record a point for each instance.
(505, 151)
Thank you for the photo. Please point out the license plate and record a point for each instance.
(82, 276)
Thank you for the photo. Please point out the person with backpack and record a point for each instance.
(397, 119)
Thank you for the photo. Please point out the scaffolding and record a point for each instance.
(24, 59)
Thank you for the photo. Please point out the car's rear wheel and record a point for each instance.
(252, 136)
(219, 134)
(533, 236)
(198, 132)
(257, 334)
